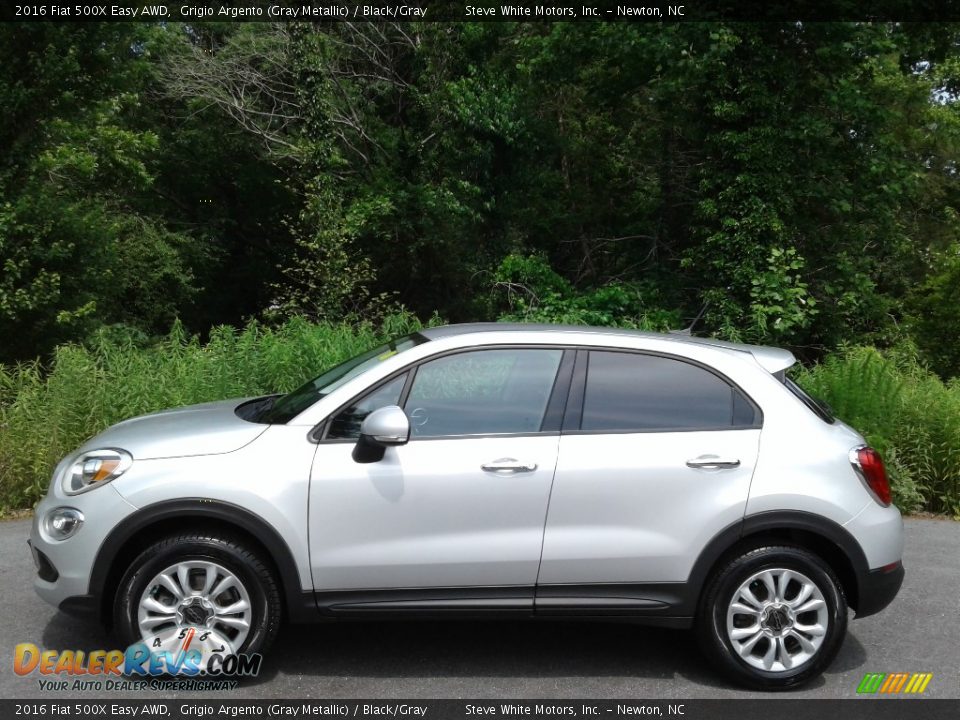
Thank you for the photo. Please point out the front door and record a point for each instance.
(463, 504)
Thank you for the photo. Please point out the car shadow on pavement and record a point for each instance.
(459, 649)
(453, 649)
(65, 632)
(456, 649)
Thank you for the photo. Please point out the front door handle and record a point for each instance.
(510, 465)
(713, 462)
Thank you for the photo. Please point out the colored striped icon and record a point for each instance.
(894, 683)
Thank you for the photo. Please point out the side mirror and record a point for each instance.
(381, 429)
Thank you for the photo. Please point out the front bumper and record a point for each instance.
(85, 606)
(45, 569)
(64, 566)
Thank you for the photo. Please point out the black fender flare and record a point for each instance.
(299, 602)
(775, 520)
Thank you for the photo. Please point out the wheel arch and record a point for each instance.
(135, 532)
(827, 539)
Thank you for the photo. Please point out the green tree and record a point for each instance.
(75, 162)
(817, 144)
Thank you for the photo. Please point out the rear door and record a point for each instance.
(655, 458)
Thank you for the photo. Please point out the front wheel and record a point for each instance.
(198, 591)
(773, 617)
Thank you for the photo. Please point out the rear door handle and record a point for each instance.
(713, 462)
(509, 465)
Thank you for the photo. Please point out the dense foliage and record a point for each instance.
(786, 183)
(904, 410)
(798, 181)
(47, 414)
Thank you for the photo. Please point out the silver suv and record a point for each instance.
(489, 470)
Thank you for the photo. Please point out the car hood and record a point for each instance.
(207, 429)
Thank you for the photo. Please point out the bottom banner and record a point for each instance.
(869, 709)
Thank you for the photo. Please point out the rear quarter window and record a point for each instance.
(817, 406)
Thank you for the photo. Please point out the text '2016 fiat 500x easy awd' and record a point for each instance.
(489, 470)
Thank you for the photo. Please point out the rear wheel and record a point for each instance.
(773, 617)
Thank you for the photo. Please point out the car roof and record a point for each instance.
(770, 358)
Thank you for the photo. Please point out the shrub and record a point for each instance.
(527, 289)
(47, 412)
(906, 412)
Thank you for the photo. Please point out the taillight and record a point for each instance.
(869, 466)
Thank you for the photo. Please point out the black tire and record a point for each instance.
(231, 553)
(711, 623)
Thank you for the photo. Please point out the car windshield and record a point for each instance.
(289, 406)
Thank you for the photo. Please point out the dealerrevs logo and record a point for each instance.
(136, 660)
(894, 683)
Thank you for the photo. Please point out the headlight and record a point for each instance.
(95, 468)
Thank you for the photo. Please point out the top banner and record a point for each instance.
(482, 11)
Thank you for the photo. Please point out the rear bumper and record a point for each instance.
(878, 588)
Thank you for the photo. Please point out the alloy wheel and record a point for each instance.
(777, 620)
(195, 604)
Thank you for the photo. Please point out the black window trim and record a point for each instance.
(813, 404)
(577, 393)
(323, 428)
(573, 419)
(552, 417)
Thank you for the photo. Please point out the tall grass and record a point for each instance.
(906, 412)
(46, 412)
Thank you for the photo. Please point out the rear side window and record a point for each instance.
(633, 392)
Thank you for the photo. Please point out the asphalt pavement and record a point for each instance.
(919, 632)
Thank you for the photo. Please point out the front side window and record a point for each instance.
(634, 392)
(346, 423)
(289, 406)
(482, 392)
